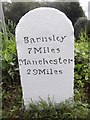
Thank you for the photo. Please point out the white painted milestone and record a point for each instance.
(45, 47)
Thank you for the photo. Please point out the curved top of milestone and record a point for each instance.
(47, 16)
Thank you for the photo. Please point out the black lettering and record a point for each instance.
(53, 37)
(65, 61)
(40, 62)
(28, 62)
(60, 60)
(50, 38)
(70, 60)
(45, 61)
(63, 38)
(48, 49)
(41, 71)
(44, 49)
(28, 72)
(26, 39)
(58, 50)
(29, 50)
(37, 50)
(55, 71)
(53, 50)
(47, 71)
(55, 62)
(21, 61)
(50, 61)
(32, 40)
(60, 72)
(35, 72)
(51, 71)
(58, 38)
(38, 39)
(34, 62)
(44, 39)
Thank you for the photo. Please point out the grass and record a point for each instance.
(50, 110)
